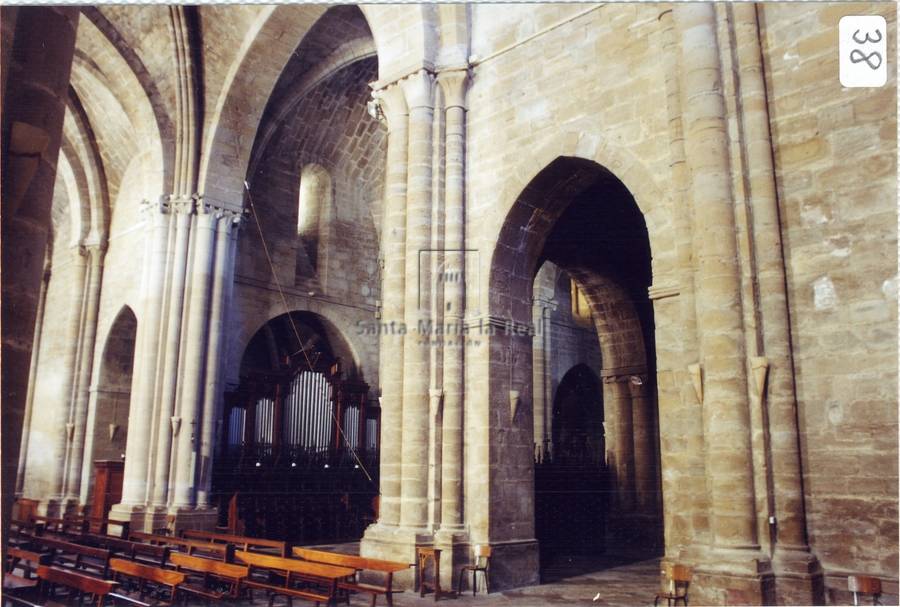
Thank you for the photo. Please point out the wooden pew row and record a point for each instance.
(325, 576)
(207, 569)
(26, 560)
(139, 552)
(144, 574)
(222, 552)
(76, 556)
(241, 542)
(358, 563)
(78, 585)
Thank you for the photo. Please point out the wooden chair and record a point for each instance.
(482, 564)
(864, 584)
(677, 578)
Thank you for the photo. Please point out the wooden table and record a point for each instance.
(423, 555)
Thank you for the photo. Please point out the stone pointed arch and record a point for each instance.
(651, 198)
(265, 51)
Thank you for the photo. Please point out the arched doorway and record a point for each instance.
(108, 416)
(298, 455)
(579, 216)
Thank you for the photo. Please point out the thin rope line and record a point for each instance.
(287, 311)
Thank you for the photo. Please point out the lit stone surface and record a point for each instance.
(217, 165)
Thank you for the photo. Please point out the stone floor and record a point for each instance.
(632, 584)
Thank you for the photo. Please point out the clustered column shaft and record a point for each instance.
(454, 85)
(725, 407)
(419, 91)
(137, 449)
(393, 297)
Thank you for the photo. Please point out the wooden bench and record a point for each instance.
(222, 552)
(359, 563)
(26, 560)
(241, 542)
(146, 554)
(77, 583)
(144, 574)
(87, 558)
(230, 574)
(319, 574)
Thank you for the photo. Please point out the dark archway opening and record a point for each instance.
(298, 455)
(594, 510)
(109, 424)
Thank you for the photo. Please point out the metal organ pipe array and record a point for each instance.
(308, 411)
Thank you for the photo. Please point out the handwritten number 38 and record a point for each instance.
(873, 59)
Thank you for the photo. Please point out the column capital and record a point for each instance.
(182, 204)
(389, 104)
(419, 89)
(454, 84)
(160, 205)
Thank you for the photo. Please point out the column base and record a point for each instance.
(202, 519)
(393, 543)
(733, 577)
(130, 517)
(455, 552)
(799, 579)
(54, 507)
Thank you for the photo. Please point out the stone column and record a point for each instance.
(393, 290)
(86, 364)
(143, 383)
(726, 409)
(453, 84)
(726, 415)
(792, 555)
(642, 431)
(617, 398)
(169, 425)
(543, 406)
(418, 89)
(193, 379)
(64, 402)
(32, 374)
(223, 273)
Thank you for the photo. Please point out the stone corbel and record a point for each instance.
(70, 431)
(113, 430)
(515, 399)
(759, 365)
(696, 373)
(389, 105)
(436, 402)
(176, 425)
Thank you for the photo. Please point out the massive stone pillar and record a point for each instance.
(798, 575)
(734, 561)
(223, 275)
(419, 91)
(82, 393)
(36, 61)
